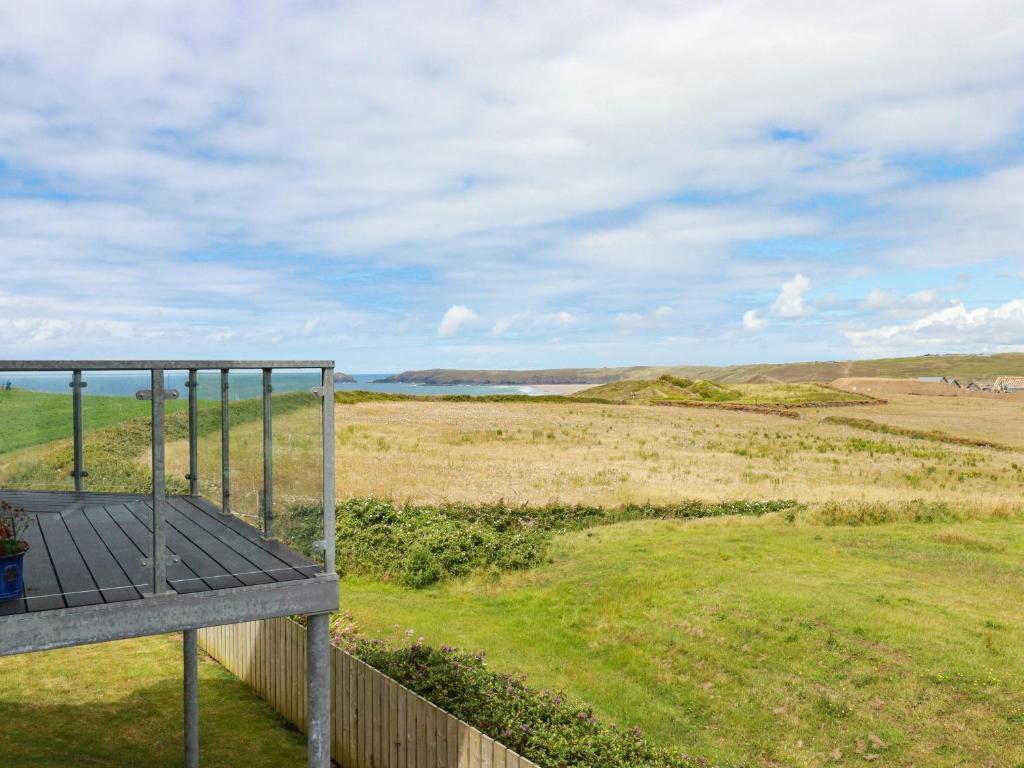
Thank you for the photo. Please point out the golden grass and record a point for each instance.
(916, 405)
(587, 453)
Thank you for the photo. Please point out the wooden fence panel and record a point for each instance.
(376, 721)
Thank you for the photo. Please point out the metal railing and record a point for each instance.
(158, 394)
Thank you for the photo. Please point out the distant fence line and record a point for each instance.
(376, 723)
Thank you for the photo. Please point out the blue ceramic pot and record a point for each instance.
(12, 582)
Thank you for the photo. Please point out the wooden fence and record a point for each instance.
(377, 722)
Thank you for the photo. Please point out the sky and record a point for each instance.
(511, 185)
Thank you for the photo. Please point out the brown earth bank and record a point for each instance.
(881, 387)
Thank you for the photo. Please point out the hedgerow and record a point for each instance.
(547, 727)
(420, 545)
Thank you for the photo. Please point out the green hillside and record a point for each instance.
(961, 366)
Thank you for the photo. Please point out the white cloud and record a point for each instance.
(532, 322)
(504, 324)
(561, 319)
(950, 329)
(790, 301)
(634, 322)
(880, 299)
(233, 162)
(753, 320)
(455, 319)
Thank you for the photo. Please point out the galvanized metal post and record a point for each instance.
(78, 428)
(327, 432)
(318, 691)
(193, 432)
(267, 497)
(225, 463)
(159, 488)
(191, 674)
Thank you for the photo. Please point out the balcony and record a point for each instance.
(106, 563)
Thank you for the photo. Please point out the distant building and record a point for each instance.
(1009, 384)
(933, 379)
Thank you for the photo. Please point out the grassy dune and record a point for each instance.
(668, 387)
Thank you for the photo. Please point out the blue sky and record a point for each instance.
(511, 184)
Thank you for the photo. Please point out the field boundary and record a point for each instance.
(934, 436)
(376, 722)
(785, 410)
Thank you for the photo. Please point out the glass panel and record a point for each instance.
(118, 431)
(209, 466)
(36, 431)
(245, 460)
(297, 459)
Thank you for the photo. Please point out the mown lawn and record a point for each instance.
(32, 418)
(119, 704)
(761, 640)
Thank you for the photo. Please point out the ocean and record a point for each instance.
(243, 384)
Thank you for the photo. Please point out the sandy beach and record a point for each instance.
(560, 389)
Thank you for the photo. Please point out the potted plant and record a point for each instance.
(13, 523)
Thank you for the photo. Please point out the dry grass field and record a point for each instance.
(577, 452)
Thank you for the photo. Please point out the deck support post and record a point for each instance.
(225, 463)
(327, 434)
(268, 458)
(78, 430)
(193, 432)
(159, 485)
(191, 674)
(318, 691)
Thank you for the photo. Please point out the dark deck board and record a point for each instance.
(124, 550)
(88, 548)
(42, 590)
(111, 580)
(76, 582)
(277, 549)
(218, 551)
(209, 570)
(254, 552)
(180, 577)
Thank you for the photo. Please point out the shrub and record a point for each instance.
(547, 727)
(420, 545)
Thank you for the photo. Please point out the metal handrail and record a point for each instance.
(149, 365)
(157, 394)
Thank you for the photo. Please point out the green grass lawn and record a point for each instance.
(119, 704)
(761, 640)
(31, 418)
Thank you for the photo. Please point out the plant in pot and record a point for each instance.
(13, 523)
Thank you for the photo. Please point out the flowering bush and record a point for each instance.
(13, 522)
(420, 545)
(544, 726)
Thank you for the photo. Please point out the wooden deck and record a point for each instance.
(90, 548)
